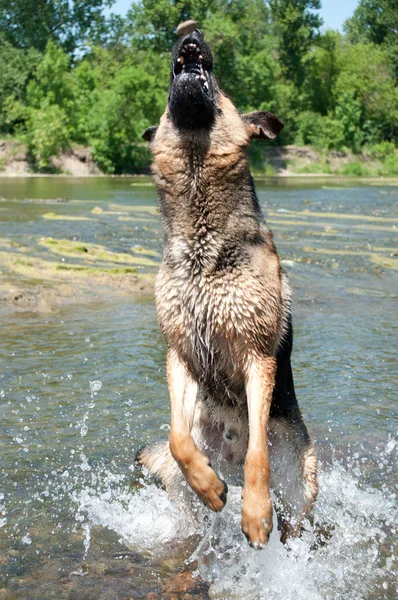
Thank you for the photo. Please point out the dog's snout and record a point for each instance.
(196, 37)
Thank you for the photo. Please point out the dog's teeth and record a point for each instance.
(200, 57)
(180, 59)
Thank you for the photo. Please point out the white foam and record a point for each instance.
(146, 520)
(350, 564)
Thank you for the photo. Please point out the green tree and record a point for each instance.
(331, 91)
(238, 34)
(16, 67)
(116, 97)
(296, 28)
(366, 96)
(47, 133)
(322, 68)
(50, 109)
(376, 21)
(31, 23)
(51, 80)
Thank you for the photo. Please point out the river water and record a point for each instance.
(82, 388)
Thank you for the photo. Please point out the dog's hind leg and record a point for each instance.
(158, 460)
(292, 456)
(293, 473)
(256, 504)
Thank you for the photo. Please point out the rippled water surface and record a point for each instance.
(82, 388)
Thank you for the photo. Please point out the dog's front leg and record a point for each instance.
(193, 464)
(256, 506)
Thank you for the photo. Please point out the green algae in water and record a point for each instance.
(387, 262)
(95, 252)
(42, 270)
(152, 210)
(54, 217)
(93, 270)
(330, 215)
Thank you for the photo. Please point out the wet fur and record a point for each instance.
(222, 299)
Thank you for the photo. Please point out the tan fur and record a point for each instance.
(256, 506)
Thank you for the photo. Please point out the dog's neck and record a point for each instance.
(201, 182)
(207, 194)
(205, 190)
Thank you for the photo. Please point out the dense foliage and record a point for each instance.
(71, 76)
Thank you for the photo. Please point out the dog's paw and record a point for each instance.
(207, 485)
(256, 518)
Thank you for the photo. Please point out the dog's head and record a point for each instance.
(193, 88)
(196, 103)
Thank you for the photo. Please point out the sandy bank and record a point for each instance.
(272, 161)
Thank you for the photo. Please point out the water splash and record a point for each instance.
(357, 561)
(145, 521)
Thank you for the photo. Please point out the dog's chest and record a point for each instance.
(193, 300)
(215, 312)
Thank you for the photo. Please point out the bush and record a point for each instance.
(322, 168)
(356, 169)
(389, 167)
(322, 132)
(47, 133)
(383, 150)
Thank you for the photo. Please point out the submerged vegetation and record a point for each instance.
(70, 76)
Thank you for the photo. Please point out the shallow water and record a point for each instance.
(82, 387)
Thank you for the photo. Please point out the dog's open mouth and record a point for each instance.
(192, 103)
(191, 61)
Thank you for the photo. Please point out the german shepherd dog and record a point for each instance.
(223, 305)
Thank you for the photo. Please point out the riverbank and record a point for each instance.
(16, 161)
(272, 161)
(295, 161)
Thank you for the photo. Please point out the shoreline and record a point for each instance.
(257, 176)
(281, 163)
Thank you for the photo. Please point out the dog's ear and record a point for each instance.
(149, 133)
(263, 125)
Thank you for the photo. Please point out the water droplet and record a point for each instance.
(95, 386)
(26, 539)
